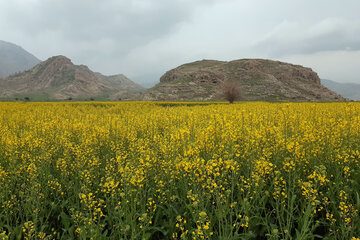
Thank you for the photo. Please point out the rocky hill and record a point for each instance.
(348, 90)
(59, 78)
(259, 79)
(14, 59)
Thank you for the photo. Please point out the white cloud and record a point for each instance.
(340, 66)
(330, 34)
(144, 38)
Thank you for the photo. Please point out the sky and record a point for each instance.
(145, 38)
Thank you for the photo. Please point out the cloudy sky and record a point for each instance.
(145, 38)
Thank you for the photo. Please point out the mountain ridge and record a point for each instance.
(260, 80)
(348, 90)
(59, 79)
(14, 59)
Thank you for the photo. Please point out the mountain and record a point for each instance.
(348, 90)
(14, 59)
(59, 78)
(259, 79)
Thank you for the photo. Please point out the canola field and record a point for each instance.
(147, 170)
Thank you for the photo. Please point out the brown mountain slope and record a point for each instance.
(259, 79)
(59, 78)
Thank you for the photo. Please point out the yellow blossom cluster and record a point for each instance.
(161, 170)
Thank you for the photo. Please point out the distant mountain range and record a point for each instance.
(23, 76)
(14, 59)
(58, 78)
(259, 79)
(347, 90)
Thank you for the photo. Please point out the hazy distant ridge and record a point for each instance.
(348, 90)
(14, 59)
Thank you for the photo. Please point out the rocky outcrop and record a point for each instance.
(59, 78)
(259, 79)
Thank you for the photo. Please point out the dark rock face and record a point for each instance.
(259, 79)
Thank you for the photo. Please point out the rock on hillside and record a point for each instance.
(263, 80)
(59, 78)
(14, 59)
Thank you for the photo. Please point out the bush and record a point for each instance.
(231, 91)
